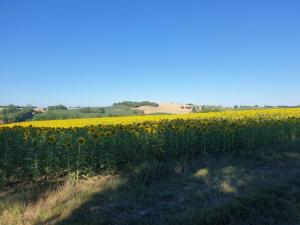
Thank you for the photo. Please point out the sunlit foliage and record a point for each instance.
(85, 146)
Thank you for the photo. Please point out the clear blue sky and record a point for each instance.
(100, 52)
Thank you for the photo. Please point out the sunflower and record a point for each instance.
(51, 139)
(81, 140)
(107, 133)
(68, 145)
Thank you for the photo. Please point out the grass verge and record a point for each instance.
(260, 188)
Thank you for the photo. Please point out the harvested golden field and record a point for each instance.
(171, 108)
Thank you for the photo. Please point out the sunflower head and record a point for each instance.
(68, 145)
(81, 140)
(107, 133)
(51, 139)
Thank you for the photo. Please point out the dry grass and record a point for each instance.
(262, 188)
(171, 108)
(55, 204)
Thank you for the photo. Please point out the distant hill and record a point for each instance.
(13, 113)
(88, 112)
(171, 108)
(137, 104)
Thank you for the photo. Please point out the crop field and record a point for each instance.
(230, 168)
(267, 114)
(51, 149)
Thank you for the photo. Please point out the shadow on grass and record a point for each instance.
(28, 192)
(207, 190)
(258, 188)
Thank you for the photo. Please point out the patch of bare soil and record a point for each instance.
(172, 108)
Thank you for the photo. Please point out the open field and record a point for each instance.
(88, 112)
(260, 187)
(57, 148)
(150, 112)
(167, 108)
(272, 114)
(233, 167)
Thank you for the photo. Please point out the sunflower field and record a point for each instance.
(49, 149)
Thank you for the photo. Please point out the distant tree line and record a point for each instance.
(211, 108)
(136, 104)
(282, 106)
(57, 107)
(13, 114)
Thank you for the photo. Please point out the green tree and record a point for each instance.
(13, 116)
(57, 107)
(10, 109)
(137, 104)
